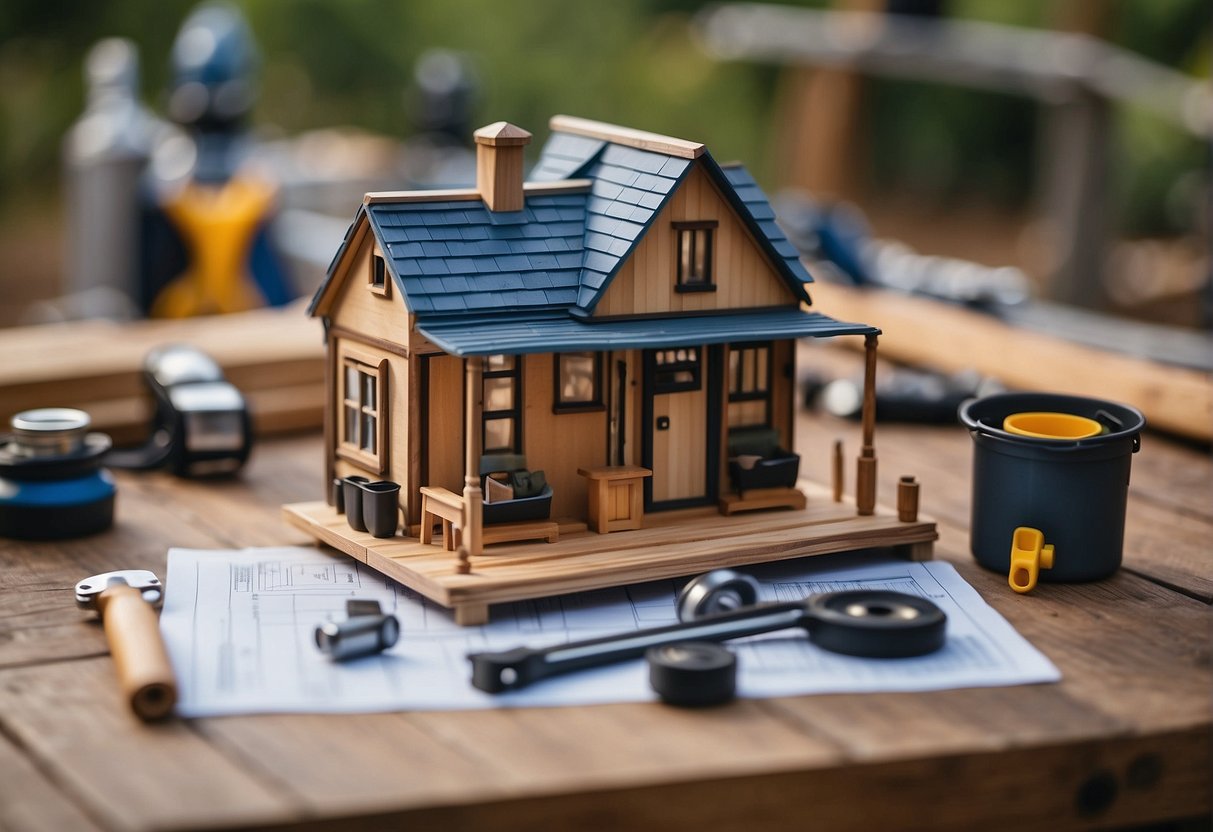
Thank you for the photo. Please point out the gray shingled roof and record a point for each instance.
(564, 157)
(559, 254)
(630, 187)
(458, 257)
(755, 208)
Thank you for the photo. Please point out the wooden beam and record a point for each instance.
(865, 474)
(470, 543)
(949, 338)
(639, 139)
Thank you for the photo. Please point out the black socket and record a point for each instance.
(692, 674)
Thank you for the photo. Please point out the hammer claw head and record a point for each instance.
(88, 590)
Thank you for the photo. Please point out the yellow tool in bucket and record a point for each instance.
(1049, 425)
(1029, 555)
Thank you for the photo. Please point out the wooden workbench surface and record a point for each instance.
(1123, 739)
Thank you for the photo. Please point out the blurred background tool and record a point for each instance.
(201, 426)
(903, 395)
(985, 148)
(52, 484)
(105, 155)
(366, 631)
(206, 246)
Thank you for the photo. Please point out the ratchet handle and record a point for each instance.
(144, 671)
(517, 668)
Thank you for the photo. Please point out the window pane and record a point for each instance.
(351, 383)
(760, 379)
(747, 371)
(368, 432)
(498, 434)
(668, 378)
(701, 255)
(747, 414)
(499, 394)
(577, 382)
(368, 390)
(351, 425)
(496, 363)
(686, 256)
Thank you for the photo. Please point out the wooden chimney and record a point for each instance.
(499, 165)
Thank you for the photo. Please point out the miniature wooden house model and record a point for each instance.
(624, 322)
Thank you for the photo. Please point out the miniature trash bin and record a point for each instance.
(381, 507)
(1071, 488)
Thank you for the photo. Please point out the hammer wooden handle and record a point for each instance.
(144, 671)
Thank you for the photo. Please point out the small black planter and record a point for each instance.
(337, 495)
(381, 507)
(352, 492)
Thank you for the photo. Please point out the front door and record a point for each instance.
(680, 421)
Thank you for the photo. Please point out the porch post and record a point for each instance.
(473, 509)
(865, 479)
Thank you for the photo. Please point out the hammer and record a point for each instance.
(126, 600)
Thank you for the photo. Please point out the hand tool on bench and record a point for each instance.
(869, 623)
(126, 601)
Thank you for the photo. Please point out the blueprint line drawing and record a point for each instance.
(239, 627)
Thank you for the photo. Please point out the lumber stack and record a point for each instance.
(928, 333)
(274, 356)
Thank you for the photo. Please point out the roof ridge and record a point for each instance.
(441, 195)
(563, 186)
(616, 134)
(560, 186)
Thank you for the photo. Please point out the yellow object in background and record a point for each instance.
(218, 224)
(1047, 425)
(1029, 555)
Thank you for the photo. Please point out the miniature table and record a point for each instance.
(616, 496)
(1123, 740)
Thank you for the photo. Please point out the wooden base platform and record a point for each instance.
(671, 545)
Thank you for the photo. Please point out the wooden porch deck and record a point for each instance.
(671, 544)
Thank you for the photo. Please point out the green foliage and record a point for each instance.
(629, 61)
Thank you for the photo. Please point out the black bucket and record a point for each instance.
(1073, 491)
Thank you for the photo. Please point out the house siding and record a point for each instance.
(371, 326)
(742, 273)
(559, 443)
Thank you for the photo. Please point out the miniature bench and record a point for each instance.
(443, 504)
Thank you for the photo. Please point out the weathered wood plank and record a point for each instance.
(949, 338)
(71, 718)
(31, 803)
(1022, 755)
(275, 356)
(413, 761)
(353, 764)
(154, 511)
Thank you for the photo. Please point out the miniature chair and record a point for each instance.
(516, 494)
(756, 460)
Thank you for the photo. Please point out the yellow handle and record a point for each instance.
(144, 671)
(1029, 555)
